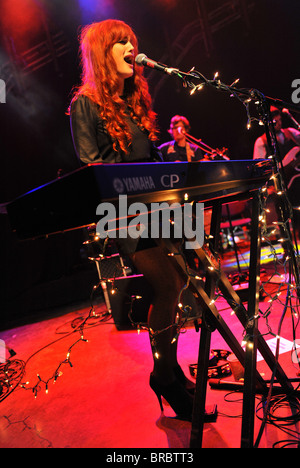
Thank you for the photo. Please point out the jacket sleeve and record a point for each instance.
(91, 141)
(156, 154)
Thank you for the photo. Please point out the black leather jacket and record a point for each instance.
(93, 144)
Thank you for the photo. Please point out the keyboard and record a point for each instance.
(70, 202)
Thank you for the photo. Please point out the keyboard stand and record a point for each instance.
(211, 320)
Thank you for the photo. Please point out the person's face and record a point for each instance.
(178, 130)
(277, 121)
(123, 55)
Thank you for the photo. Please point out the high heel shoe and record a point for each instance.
(181, 377)
(174, 393)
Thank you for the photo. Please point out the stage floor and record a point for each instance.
(101, 397)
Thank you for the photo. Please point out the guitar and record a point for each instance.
(291, 164)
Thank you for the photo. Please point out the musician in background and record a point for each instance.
(289, 151)
(179, 149)
(287, 138)
(112, 122)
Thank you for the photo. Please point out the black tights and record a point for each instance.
(166, 282)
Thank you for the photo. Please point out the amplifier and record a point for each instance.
(126, 310)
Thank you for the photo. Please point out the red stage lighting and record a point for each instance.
(21, 21)
(168, 4)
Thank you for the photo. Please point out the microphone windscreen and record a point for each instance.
(139, 59)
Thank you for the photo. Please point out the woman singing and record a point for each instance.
(112, 122)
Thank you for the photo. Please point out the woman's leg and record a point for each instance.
(166, 282)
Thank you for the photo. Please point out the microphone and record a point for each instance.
(286, 111)
(142, 59)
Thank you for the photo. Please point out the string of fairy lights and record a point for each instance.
(281, 269)
(185, 311)
(290, 266)
(13, 372)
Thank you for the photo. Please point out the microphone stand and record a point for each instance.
(280, 183)
(285, 111)
(249, 360)
(263, 103)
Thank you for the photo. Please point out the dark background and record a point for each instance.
(257, 41)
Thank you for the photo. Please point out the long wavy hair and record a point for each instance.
(100, 82)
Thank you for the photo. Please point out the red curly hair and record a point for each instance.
(100, 82)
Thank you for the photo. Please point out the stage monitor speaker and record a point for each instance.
(121, 292)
